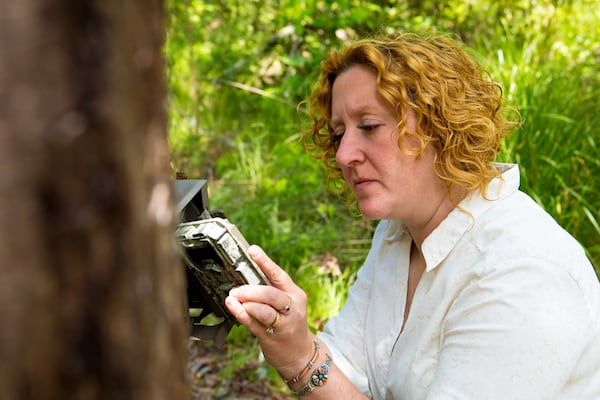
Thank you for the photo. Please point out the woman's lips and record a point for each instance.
(361, 184)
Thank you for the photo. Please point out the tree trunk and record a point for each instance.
(92, 292)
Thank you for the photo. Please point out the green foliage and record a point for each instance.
(326, 292)
(237, 69)
(554, 79)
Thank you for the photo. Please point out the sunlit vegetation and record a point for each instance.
(237, 69)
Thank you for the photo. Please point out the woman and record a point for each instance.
(470, 290)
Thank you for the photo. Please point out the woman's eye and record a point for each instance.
(368, 127)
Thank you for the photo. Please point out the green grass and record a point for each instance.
(276, 196)
(546, 55)
(553, 78)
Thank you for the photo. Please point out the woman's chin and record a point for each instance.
(370, 212)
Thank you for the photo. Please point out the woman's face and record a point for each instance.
(388, 183)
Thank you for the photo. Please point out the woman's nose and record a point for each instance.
(349, 151)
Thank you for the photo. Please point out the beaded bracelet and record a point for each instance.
(307, 368)
(318, 378)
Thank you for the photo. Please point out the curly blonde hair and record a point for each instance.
(458, 108)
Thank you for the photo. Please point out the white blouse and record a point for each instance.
(507, 308)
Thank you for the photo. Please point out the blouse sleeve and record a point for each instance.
(344, 334)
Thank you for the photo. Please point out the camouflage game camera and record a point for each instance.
(215, 258)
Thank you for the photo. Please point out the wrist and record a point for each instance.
(317, 378)
(296, 375)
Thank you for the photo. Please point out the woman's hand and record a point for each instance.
(276, 315)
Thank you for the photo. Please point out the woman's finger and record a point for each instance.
(263, 314)
(277, 276)
(258, 318)
(268, 295)
(239, 312)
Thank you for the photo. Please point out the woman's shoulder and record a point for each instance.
(518, 227)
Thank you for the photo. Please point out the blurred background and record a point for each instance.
(237, 70)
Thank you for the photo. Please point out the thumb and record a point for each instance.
(277, 276)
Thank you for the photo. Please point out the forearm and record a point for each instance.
(277, 316)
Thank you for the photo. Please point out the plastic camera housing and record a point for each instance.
(215, 256)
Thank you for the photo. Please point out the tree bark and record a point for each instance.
(92, 292)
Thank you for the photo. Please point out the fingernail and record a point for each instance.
(253, 251)
(234, 292)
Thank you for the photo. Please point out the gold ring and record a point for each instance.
(271, 329)
(277, 321)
